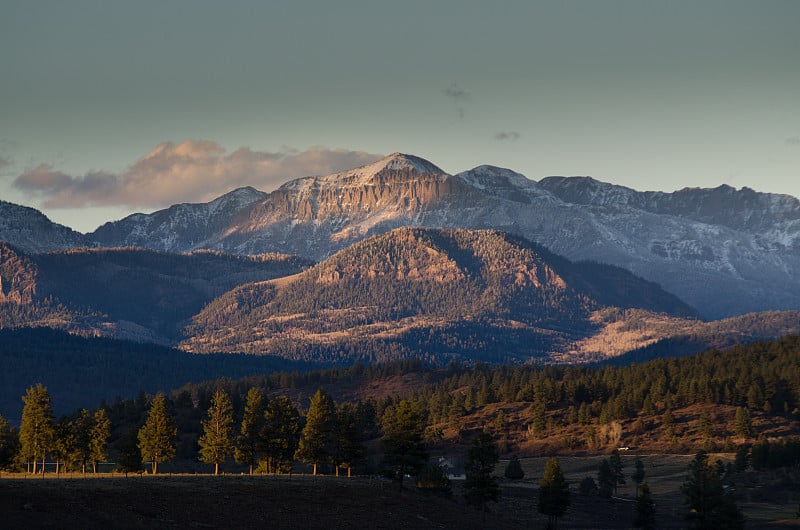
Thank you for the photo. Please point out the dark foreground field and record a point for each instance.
(242, 502)
(227, 502)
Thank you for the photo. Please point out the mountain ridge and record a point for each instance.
(725, 251)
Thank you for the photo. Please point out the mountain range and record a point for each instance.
(724, 251)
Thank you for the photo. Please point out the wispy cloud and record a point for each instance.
(794, 140)
(507, 136)
(4, 162)
(191, 171)
(459, 96)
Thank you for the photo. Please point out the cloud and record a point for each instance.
(794, 140)
(4, 162)
(511, 136)
(459, 97)
(191, 171)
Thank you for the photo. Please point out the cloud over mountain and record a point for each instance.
(193, 171)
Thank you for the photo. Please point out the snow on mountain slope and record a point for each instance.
(30, 230)
(724, 251)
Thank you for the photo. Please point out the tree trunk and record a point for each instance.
(216, 468)
(43, 461)
(348, 471)
(315, 469)
(251, 469)
(337, 470)
(154, 467)
(34, 466)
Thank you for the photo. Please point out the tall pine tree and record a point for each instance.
(281, 434)
(553, 492)
(98, 437)
(404, 449)
(36, 429)
(318, 440)
(157, 435)
(249, 442)
(216, 443)
(480, 485)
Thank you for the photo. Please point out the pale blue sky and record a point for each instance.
(652, 95)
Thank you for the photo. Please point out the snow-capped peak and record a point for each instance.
(364, 175)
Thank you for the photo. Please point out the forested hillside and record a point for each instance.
(125, 292)
(446, 293)
(80, 372)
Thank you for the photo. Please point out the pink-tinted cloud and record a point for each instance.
(191, 171)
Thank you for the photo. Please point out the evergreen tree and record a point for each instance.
(63, 448)
(615, 462)
(587, 486)
(98, 437)
(480, 485)
(280, 434)
(9, 444)
(742, 459)
(404, 449)
(36, 429)
(216, 442)
(638, 475)
(553, 493)
(605, 479)
(645, 514)
(129, 459)
(514, 469)
(83, 438)
(349, 438)
(249, 441)
(743, 425)
(709, 506)
(157, 435)
(318, 440)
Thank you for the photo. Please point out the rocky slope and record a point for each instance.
(725, 252)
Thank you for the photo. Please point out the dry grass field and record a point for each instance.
(769, 501)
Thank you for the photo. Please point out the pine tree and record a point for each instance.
(514, 469)
(63, 448)
(280, 434)
(404, 449)
(83, 428)
(743, 425)
(36, 429)
(615, 462)
(645, 514)
(318, 440)
(98, 437)
(605, 479)
(709, 506)
(553, 493)
(480, 486)
(129, 459)
(638, 475)
(157, 435)
(216, 443)
(249, 441)
(349, 438)
(9, 444)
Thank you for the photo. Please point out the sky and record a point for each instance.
(113, 107)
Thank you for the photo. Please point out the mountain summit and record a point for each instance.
(724, 251)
